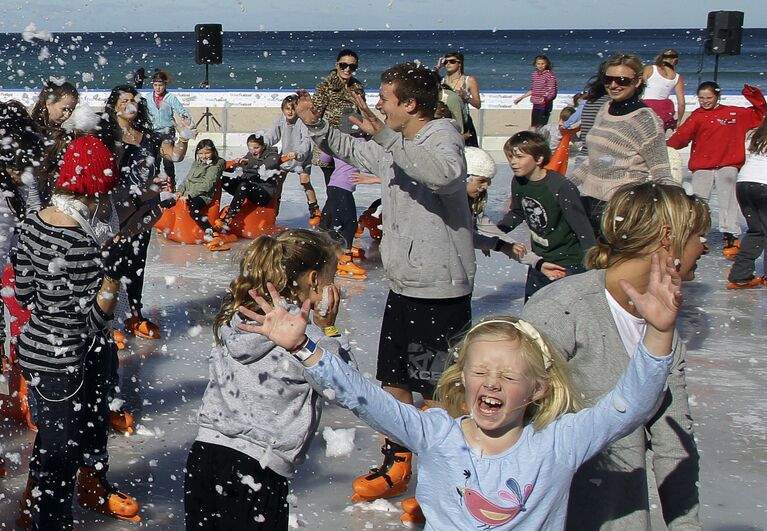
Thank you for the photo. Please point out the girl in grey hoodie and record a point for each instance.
(259, 412)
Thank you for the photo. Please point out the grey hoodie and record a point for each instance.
(427, 248)
(258, 400)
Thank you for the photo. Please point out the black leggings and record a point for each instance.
(258, 193)
(344, 211)
(71, 411)
(217, 495)
(198, 210)
(140, 245)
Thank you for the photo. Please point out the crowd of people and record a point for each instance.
(542, 421)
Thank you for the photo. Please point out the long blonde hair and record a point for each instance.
(280, 259)
(635, 217)
(546, 364)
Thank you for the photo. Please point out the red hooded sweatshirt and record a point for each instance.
(718, 136)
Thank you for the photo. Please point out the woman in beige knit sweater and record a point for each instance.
(626, 144)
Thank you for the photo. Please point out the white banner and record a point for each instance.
(219, 98)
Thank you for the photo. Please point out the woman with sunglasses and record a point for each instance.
(332, 96)
(467, 89)
(661, 79)
(626, 144)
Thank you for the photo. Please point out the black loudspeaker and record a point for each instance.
(209, 44)
(725, 33)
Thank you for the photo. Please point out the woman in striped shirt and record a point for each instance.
(63, 350)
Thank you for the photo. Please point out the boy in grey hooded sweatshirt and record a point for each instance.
(427, 247)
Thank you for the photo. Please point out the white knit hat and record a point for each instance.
(479, 162)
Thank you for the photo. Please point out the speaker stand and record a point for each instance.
(716, 67)
(207, 115)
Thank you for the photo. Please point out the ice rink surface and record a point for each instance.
(163, 382)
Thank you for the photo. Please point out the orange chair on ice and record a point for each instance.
(14, 405)
(254, 220)
(178, 225)
(561, 155)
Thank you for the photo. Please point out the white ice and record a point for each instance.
(163, 381)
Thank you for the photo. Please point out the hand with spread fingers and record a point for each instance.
(370, 123)
(305, 109)
(283, 328)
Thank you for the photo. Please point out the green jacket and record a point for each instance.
(202, 179)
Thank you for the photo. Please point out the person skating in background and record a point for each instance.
(427, 248)
(597, 326)
(255, 179)
(553, 132)
(543, 91)
(718, 135)
(590, 103)
(72, 290)
(137, 194)
(199, 187)
(503, 451)
(552, 209)
(466, 88)
(627, 142)
(480, 170)
(162, 106)
(661, 80)
(296, 146)
(342, 207)
(334, 94)
(53, 107)
(259, 412)
(751, 192)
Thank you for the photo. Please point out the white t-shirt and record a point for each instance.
(630, 328)
(755, 168)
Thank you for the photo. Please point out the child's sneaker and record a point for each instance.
(756, 282)
(348, 269)
(315, 215)
(731, 246)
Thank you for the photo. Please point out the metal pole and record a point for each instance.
(716, 67)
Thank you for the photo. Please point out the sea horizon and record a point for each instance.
(285, 60)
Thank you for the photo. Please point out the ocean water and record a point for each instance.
(501, 60)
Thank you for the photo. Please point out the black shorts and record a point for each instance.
(415, 338)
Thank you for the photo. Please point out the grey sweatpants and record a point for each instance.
(703, 182)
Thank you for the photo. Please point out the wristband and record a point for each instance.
(306, 351)
(331, 331)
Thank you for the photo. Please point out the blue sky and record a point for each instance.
(182, 15)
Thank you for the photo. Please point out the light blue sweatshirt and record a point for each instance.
(526, 487)
(162, 116)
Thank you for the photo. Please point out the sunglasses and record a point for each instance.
(352, 67)
(670, 56)
(452, 61)
(621, 81)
